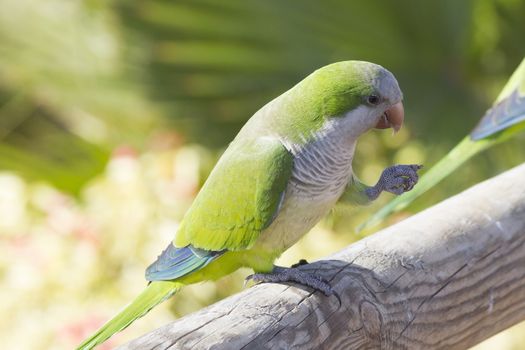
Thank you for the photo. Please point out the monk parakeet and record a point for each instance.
(283, 172)
(505, 119)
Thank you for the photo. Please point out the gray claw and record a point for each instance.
(284, 274)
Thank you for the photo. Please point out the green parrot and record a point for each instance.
(504, 120)
(285, 170)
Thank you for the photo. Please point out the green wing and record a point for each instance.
(240, 198)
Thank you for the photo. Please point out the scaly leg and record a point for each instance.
(290, 274)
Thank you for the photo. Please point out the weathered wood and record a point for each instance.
(446, 278)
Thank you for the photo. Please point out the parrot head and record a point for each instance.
(362, 95)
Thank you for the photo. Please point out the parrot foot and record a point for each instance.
(291, 274)
(396, 179)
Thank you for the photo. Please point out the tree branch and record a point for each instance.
(448, 277)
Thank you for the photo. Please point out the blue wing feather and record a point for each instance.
(177, 262)
(506, 113)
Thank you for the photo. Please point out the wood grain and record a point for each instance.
(446, 278)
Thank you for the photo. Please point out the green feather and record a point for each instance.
(328, 92)
(240, 197)
(154, 294)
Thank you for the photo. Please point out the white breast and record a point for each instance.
(322, 169)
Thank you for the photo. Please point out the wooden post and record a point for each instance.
(446, 278)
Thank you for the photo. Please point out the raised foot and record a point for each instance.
(291, 274)
(398, 179)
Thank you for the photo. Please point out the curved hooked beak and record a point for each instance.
(392, 118)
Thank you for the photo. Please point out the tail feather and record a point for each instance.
(154, 294)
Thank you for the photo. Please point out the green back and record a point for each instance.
(330, 91)
(240, 198)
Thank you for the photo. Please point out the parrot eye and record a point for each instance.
(373, 100)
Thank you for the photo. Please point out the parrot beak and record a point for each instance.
(392, 118)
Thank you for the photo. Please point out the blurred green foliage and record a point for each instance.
(113, 112)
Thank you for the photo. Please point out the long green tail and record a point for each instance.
(153, 295)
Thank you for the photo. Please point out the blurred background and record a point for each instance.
(112, 113)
